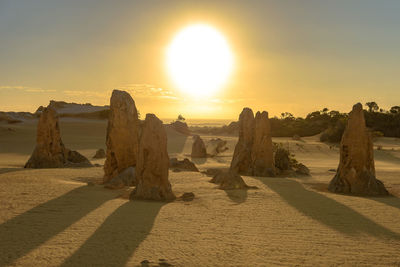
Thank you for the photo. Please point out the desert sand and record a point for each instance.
(53, 217)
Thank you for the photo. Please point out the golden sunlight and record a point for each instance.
(199, 60)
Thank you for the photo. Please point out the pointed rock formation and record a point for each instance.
(198, 148)
(100, 154)
(216, 146)
(241, 161)
(229, 180)
(356, 171)
(153, 163)
(50, 151)
(254, 151)
(262, 152)
(122, 135)
(182, 165)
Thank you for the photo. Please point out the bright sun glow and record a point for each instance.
(199, 60)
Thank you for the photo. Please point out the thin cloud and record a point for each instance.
(147, 90)
(86, 93)
(38, 90)
(27, 89)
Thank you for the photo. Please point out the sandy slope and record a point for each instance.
(51, 217)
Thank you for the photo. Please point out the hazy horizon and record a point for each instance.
(287, 57)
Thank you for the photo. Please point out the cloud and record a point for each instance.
(27, 89)
(81, 93)
(38, 90)
(147, 90)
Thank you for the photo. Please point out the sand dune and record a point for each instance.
(51, 217)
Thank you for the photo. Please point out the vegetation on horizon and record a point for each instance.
(329, 123)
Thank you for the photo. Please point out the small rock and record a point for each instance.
(90, 183)
(301, 169)
(145, 263)
(198, 148)
(183, 165)
(100, 154)
(216, 146)
(126, 178)
(229, 180)
(180, 127)
(187, 196)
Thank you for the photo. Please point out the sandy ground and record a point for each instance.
(51, 217)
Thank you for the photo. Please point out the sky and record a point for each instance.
(290, 56)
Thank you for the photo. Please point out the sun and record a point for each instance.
(199, 60)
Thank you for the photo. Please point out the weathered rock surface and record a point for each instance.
(301, 169)
(182, 165)
(75, 159)
(241, 161)
(125, 178)
(100, 154)
(253, 153)
(356, 171)
(229, 180)
(262, 151)
(216, 146)
(50, 151)
(180, 127)
(198, 148)
(122, 135)
(153, 163)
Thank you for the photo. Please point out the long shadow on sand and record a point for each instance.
(326, 210)
(117, 238)
(386, 156)
(176, 141)
(29, 230)
(390, 201)
(7, 170)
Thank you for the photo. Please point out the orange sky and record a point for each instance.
(287, 57)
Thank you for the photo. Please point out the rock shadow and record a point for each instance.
(388, 200)
(25, 232)
(176, 141)
(198, 161)
(7, 170)
(118, 237)
(326, 210)
(238, 196)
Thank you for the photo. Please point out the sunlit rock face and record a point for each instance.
(356, 171)
(253, 153)
(153, 163)
(262, 152)
(50, 151)
(198, 148)
(122, 135)
(241, 161)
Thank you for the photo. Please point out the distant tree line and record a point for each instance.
(330, 123)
